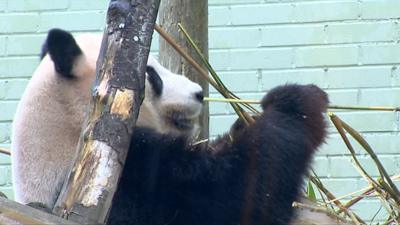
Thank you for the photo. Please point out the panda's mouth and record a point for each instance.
(181, 118)
(182, 122)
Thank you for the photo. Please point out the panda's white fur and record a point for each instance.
(53, 108)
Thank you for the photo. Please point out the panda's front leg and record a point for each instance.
(277, 149)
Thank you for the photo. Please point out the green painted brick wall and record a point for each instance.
(348, 47)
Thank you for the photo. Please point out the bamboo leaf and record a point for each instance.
(310, 192)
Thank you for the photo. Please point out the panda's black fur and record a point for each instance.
(250, 176)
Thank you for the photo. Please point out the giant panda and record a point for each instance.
(250, 175)
(48, 120)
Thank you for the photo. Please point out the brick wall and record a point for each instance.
(348, 47)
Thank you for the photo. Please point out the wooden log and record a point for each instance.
(193, 14)
(13, 213)
(87, 194)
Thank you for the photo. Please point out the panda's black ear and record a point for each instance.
(63, 50)
(154, 80)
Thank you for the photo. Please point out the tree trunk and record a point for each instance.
(193, 15)
(87, 194)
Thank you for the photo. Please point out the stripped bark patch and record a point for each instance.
(123, 102)
(106, 160)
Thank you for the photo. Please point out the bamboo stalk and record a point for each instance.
(356, 219)
(232, 100)
(339, 126)
(225, 92)
(321, 193)
(364, 190)
(373, 108)
(383, 189)
(389, 221)
(312, 208)
(203, 58)
(5, 151)
(368, 149)
(202, 72)
(367, 108)
(185, 55)
(358, 198)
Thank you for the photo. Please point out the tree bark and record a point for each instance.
(193, 15)
(87, 194)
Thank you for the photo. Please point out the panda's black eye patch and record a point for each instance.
(155, 80)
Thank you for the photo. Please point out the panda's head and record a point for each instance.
(172, 102)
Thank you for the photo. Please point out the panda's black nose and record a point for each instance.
(199, 96)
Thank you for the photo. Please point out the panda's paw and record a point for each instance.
(307, 100)
(40, 206)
